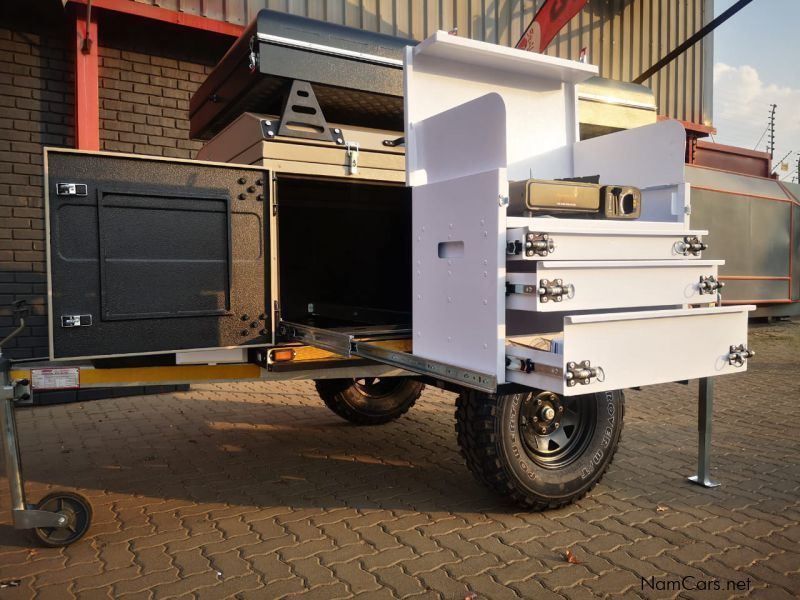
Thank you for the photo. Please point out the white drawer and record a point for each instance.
(555, 239)
(631, 349)
(587, 285)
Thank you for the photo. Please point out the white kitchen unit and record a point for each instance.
(479, 116)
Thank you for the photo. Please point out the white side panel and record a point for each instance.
(644, 348)
(464, 140)
(667, 204)
(648, 156)
(459, 272)
(605, 244)
(616, 284)
(445, 71)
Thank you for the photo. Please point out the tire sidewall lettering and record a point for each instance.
(517, 453)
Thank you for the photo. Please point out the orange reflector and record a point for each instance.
(282, 355)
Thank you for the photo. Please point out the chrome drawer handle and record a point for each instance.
(709, 285)
(583, 373)
(690, 244)
(538, 243)
(738, 355)
(555, 290)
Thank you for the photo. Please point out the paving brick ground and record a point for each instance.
(257, 491)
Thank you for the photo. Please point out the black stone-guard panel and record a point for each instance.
(157, 225)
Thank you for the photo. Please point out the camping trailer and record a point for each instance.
(377, 215)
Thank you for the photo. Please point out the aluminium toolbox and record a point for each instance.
(354, 152)
(356, 75)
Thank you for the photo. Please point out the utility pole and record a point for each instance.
(771, 144)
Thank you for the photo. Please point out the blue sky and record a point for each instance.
(756, 62)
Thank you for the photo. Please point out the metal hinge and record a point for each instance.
(738, 355)
(276, 310)
(709, 285)
(583, 372)
(690, 244)
(555, 290)
(352, 157)
(253, 56)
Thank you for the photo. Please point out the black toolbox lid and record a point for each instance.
(357, 75)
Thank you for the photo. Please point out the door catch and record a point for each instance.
(72, 189)
(351, 153)
(76, 321)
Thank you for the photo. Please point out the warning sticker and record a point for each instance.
(63, 378)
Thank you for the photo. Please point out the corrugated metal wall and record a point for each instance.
(623, 37)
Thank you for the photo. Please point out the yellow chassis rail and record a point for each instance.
(306, 356)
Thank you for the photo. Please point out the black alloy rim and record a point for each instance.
(555, 429)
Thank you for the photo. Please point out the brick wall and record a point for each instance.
(146, 83)
(148, 72)
(144, 103)
(36, 109)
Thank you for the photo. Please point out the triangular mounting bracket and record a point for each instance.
(302, 116)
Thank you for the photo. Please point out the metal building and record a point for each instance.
(622, 37)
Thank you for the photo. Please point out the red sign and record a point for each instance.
(553, 15)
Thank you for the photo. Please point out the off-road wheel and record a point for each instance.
(539, 449)
(369, 400)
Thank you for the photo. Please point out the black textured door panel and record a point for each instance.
(158, 255)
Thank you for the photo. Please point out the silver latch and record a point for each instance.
(351, 153)
(555, 290)
(709, 285)
(690, 244)
(76, 320)
(539, 244)
(582, 372)
(71, 189)
(738, 355)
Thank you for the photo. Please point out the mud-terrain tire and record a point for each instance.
(511, 447)
(370, 400)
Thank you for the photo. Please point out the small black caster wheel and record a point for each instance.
(75, 508)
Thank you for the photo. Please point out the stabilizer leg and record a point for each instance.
(705, 410)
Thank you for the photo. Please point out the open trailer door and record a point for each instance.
(151, 255)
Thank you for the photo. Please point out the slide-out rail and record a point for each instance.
(349, 344)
